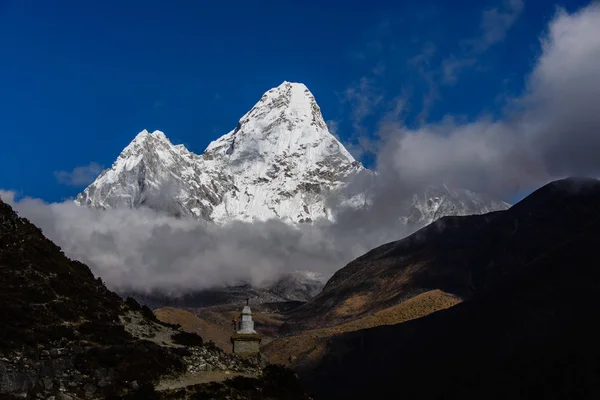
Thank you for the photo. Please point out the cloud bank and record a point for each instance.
(146, 250)
(552, 130)
(80, 176)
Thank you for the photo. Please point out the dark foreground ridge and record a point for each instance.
(457, 255)
(531, 280)
(65, 336)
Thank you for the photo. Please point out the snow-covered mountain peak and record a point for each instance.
(283, 154)
(279, 162)
(289, 102)
(286, 121)
(144, 135)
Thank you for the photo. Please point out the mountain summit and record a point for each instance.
(280, 162)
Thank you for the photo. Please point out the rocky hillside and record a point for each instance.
(66, 336)
(458, 255)
(531, 285)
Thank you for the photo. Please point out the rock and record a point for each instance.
(104, 382)
(16, 382)
(134, 385)
(63, 396)
(100, 373)
(47, 383)
(59, 364)
(262, 360)
(89, 388)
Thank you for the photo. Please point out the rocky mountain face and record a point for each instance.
(279, 162)
(436, 202)
(66, 336)
(530, 288)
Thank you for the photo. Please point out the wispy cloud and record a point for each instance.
(79, 176)
(422, 64)
(453, 65)
(333, 126)
(495, 23)
(364, 97)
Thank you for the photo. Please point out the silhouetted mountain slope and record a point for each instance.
(528, 328)
(44, 296)
(459, 255)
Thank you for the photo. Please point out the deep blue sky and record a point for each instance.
(79, 79)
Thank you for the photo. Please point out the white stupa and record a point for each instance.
(246, 341)
(246, 325)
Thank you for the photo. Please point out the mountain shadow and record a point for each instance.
(458, 255)
(531, 280)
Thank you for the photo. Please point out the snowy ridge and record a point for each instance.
(279, 162)
(439, 201)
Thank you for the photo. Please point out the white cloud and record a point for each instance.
(79, 176)
(551, 131)
(145, 250)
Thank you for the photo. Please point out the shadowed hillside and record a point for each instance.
(528, 326)
(65, 336)
(458, 255)
(305, 349)
(44, 296)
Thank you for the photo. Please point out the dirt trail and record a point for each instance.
(197, 378)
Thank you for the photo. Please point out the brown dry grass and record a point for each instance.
(214, 323)
(191, 323)
(267, 324)
(307, 347)
(353, 305)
